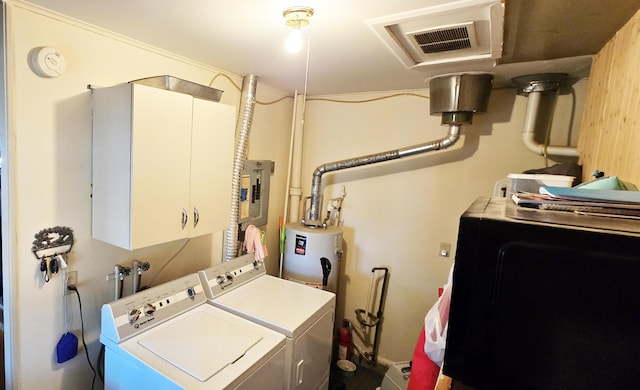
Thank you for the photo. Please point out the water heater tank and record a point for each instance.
(312, 255)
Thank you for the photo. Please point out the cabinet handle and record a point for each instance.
(185, 217)
(299, 372)
(196, 216)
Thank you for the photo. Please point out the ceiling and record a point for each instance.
(247, 37)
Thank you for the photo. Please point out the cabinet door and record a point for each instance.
(212, 149)
(160, 147)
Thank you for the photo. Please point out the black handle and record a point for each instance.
(326, 270)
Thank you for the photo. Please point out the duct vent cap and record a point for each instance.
(451, 32)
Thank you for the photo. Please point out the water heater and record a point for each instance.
(312, 255)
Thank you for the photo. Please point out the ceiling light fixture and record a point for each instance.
(296, 18)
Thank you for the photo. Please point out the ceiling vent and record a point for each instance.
(453, 32)
(439, 39)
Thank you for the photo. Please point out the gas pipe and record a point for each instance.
(344, 346)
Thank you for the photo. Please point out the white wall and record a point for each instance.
(49, 175)
(397, 213)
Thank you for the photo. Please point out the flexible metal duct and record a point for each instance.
(243, 128)
(314, 210)
(456, 97)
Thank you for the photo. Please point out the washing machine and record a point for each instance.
(304, 315)
(169, 337)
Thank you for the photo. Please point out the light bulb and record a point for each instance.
(294, 40)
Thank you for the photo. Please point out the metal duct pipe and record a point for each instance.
(533, 86)
(456, 97)
(314, 209)
(243, 128)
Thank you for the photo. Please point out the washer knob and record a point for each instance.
(149, 309)
(229, 276)
(191, 292)
(220, 279)
(133, 314)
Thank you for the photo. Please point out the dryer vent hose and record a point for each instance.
(243, 129)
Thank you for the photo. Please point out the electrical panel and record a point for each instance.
(255, 181)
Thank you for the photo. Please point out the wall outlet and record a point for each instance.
(72, 280)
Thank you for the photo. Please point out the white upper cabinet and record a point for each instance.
(212, 149)
(162, 165)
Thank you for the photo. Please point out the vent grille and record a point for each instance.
(445, 39)
(457, 32)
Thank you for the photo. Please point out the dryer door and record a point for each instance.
(312, 355)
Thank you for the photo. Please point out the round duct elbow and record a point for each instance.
(458, 96)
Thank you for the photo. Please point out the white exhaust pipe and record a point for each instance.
(534, 86)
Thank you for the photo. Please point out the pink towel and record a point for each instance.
(253, 242)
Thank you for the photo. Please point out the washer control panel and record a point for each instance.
(235, 272)
(138, 312)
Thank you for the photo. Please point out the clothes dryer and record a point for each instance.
(304, 315)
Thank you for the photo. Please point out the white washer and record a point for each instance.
(303, 314)
(168, 337)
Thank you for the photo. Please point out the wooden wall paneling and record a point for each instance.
(631, 147)
(614, 130)
(618, 132)
(609, 139)
(589, 137)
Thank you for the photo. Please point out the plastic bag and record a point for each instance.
(436, 323)
(67, 347)
(424, 372)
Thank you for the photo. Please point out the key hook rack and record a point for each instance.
(51, 246)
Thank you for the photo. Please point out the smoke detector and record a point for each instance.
(452, 32)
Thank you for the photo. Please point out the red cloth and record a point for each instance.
(424, 372)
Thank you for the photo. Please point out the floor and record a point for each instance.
(366, 377)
